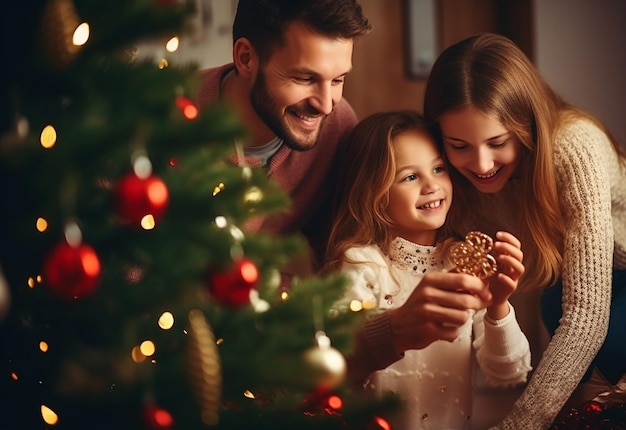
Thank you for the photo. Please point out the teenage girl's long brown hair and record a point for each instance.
(491, 74)
(368, 169)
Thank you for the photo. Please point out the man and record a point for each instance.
(290, 60)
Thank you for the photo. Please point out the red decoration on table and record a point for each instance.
(137, 197)
(232, 287)
(592, 415)
(72, 271)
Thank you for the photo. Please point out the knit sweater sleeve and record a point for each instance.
(585, 196)
(373, 346)
(502, 349)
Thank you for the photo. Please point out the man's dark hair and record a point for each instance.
(263, 22)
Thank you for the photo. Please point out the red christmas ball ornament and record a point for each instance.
(140, 197)
(232, 287)
(72, 271)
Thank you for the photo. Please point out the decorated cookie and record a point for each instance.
(472, 255)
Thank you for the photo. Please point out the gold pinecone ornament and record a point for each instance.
(204, 367)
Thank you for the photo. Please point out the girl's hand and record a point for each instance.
(437, 309)
(507, 250)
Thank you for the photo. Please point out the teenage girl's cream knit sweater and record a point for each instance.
(592, 189)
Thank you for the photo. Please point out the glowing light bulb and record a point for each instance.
(147, 348)
(166, 320)
(81, 34)
(48, 137)
(41, 225)
(49, 416)
(172, 44)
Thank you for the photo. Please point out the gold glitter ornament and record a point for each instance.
(472, 255)
(326, 364)
(58, 23)
(204, 367)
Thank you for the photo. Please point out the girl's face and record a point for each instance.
(480, 148)
(421, 193)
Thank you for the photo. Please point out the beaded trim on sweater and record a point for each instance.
(413, 258)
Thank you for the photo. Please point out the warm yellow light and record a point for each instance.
(48, 137)
(147, 348)
(218, 188)
(166, 320)
(31, 282)
(369, 304)
(147, 222)
(249, 394)
(172, 44)
(356, 305)
(81, 34)
(43, 346)
(41, 224)
(14, 376)
(253, 195)
(163, 64)
(284, 296)
(49, 416)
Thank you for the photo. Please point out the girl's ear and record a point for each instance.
(245, 58)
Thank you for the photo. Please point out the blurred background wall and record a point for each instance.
(578, 46)
(581, 52)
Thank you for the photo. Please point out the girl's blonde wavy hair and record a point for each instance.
(368, 168)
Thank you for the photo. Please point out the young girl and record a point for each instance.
(394, 196)
(524, 160)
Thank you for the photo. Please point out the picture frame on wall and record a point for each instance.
(421, 37)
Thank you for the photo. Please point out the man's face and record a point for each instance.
(298, 87)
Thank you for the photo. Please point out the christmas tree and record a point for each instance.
(131, 294)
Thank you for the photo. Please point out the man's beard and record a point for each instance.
(266, 109)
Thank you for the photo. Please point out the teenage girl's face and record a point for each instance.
(300, 84)
(480, 148)
(421, 193)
